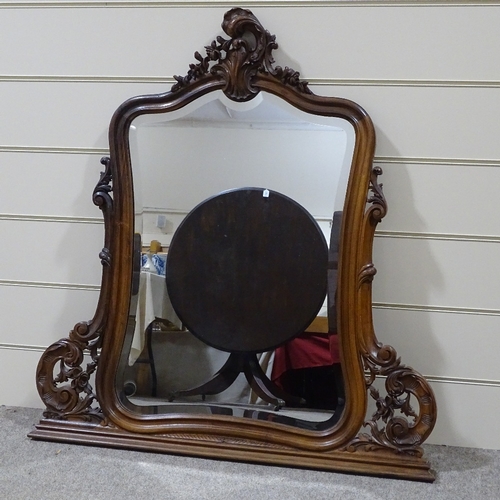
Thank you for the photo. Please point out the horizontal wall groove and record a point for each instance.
(22, 347)
(49, 284)
(248, 3)
(52, 218)
(169, 80)
(400, 82)
(457, 380)
(389, 160)
(86, 79)
(54, 150)
(438, 236)
(462, 381)
(438, 309)
(434, 161)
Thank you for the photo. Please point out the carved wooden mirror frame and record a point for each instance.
(242, 66)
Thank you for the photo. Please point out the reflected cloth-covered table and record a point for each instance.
(309, 350)
(153, 302)
(308, 362)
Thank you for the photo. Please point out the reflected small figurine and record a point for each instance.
(152, 261)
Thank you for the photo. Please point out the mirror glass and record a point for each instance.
(181, 158)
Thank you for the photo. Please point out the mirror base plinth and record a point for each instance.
(371, 461)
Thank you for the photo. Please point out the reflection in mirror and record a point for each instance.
(182, 158)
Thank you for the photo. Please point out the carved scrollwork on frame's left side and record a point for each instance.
(63, 383)
(395, 424)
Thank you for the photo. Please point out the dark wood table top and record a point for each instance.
(247, 270)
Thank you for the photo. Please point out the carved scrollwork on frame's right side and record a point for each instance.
(395, 424)
(63, 383)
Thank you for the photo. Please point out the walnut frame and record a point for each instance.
(242, 66)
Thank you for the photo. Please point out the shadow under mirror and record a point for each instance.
(266, 149)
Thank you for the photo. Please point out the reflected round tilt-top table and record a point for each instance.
(246, 272)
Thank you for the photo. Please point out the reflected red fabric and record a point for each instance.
(308, 350)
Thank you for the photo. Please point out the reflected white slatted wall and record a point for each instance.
(426, 72)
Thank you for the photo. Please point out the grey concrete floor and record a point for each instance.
(38, 470)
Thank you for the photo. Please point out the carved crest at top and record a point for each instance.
(237, 60)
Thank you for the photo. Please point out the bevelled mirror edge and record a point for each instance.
(328, 106)
(75, 413)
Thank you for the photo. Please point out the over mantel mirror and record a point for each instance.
(234, 319)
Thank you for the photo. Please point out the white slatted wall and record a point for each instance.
(428, 74)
